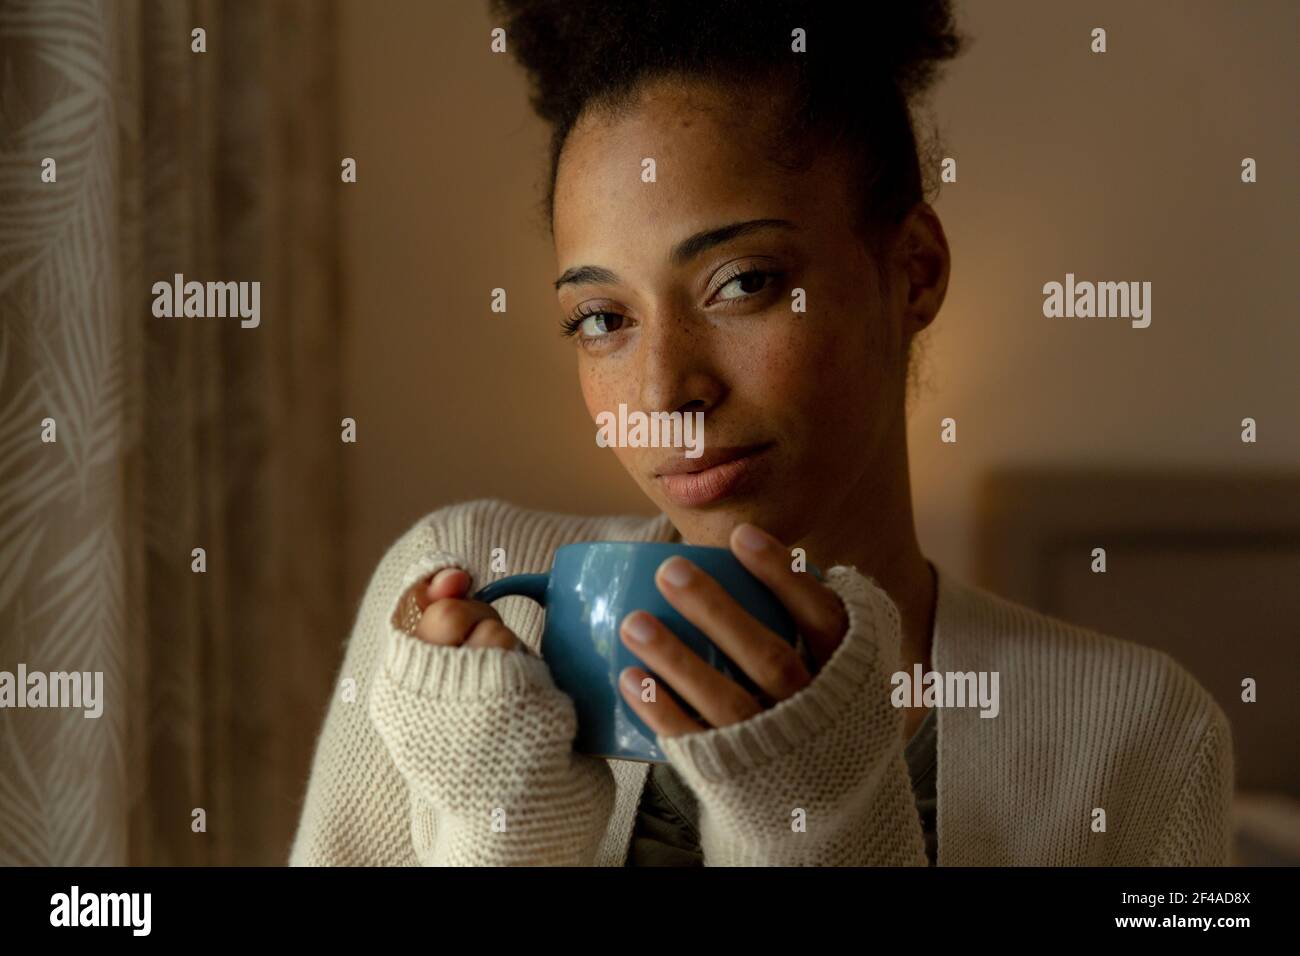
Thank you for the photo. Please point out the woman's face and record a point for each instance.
(711, 326)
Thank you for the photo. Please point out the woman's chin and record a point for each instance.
(714, 527)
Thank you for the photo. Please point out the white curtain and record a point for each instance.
(172, 434)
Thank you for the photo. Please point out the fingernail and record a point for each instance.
(676, 571)
(751, 538)
(441, 574)
(639, 627)
(629, 681)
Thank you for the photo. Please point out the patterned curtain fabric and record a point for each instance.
(172, 433)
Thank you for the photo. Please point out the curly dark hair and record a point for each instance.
(853, 89)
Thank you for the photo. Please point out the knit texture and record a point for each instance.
(462, 756)
(819, 778)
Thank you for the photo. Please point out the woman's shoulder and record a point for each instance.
(1063, 660)
(1106, 722)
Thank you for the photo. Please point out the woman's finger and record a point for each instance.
(493, 633)
(449, 582)
(717, 699)
(818, 614)
(448, 621)
(770, 662)
(661, 713)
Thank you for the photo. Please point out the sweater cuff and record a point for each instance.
(865, 657)
(444, 672)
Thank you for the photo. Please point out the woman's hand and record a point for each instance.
(484, 741)
(448, 618)
(774, 666)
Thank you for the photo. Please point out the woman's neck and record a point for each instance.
(871, 528)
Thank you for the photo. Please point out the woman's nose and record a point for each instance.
(676, 370)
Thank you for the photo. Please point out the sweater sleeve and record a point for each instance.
(445, 755)
(484, 738)
(820, 778)
(1198, 829)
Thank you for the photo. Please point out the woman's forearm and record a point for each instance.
(483, 739)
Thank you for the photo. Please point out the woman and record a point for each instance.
(771, 268)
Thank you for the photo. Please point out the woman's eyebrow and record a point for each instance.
(682, 253)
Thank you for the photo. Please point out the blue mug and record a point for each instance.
(591, 587)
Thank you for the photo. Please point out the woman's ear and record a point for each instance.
(924, 264)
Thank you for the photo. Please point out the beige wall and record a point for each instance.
(1122, 166)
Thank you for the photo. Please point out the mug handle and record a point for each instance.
(531, 586)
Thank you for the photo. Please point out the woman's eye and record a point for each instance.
(602, 323)
(594, 325)
(747, 283)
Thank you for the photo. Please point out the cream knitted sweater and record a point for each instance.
(455, 756)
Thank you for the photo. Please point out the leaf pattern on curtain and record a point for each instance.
(61, 519)
(172, 433)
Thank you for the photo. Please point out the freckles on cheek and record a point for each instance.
(846, 372)
(852, 352)
(596, 389)
(605, 385)
(811, 369)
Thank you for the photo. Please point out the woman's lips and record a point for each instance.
(697, 488)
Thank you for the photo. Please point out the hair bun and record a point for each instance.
(570, 48)
(915, 38)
